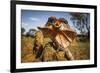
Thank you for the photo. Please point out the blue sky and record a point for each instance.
(33, 19)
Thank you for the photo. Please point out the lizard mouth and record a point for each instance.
(57, 25)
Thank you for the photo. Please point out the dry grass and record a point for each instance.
(80, 50)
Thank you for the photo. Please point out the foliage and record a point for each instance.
(81, 21)
(31, 32)
(22, 30)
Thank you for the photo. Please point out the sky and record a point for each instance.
(32, 19)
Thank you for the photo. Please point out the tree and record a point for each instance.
(22, 30)
(81, 21)
(31, 32)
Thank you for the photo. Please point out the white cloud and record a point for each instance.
(25, 24)
(34, 19)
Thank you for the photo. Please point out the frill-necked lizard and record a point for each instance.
(59, 30)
